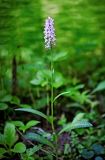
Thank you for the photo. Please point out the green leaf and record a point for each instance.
(15, 100)
(99, 158)
(10, 134)
(98, 149)
(62, 121)
(18, 123)
(66, 148)
(2, 151)
(33, 150)
(66, 128)
(36, 112)
(38, 138)
(36, 81)
(7, 98)
(50, 119)
(60, 56)
(31, 123)
(78, 117)
(59, 80)
(41, 103)
(19, 148)
(87, 154)
(80, 124)
(25, 106)
(28, 125)
(3, 106)
(63, 93)
(2, 139)
(100, 87)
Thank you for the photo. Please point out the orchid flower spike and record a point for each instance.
(49, 33)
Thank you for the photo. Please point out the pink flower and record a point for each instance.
(49, 33)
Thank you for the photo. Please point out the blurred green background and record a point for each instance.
(80, 42)
(79, 63)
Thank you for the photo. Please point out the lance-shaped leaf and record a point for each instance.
(74, 125)
(36, 112)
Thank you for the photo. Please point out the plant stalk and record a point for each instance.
(52, 105)
(52, 93)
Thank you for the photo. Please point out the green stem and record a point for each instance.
(52, 105)
(52, 93)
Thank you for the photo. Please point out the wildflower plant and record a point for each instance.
(78, 121)
(49, 37)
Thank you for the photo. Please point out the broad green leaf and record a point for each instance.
(59, 80)
(28, 125)
(22, 128)
(36, 81)
(33, 150)
(19, 148)
(3, 106)
(78, 117)
(6, 98)
(36, 112)
(42, 77)
(18, 123)
(38, 138)
(10, 134)
(60, 56)
(31, 123)
(100, 87)
(80, 124)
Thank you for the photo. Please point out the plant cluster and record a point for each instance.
(52, 101)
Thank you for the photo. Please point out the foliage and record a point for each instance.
(96, 151)
(78, 81)
(24, 127)
(77, 122)
(8, 141)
